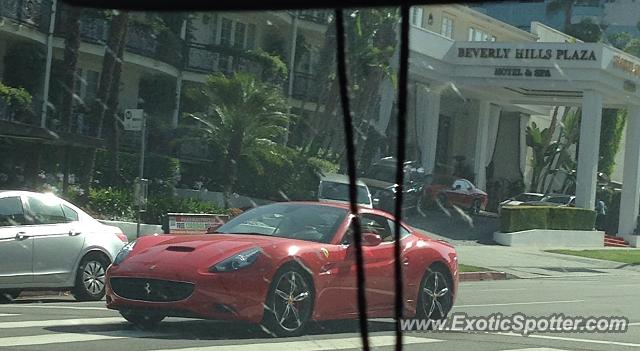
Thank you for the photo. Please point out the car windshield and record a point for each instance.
(528, 197)
(557, 199)
(340, 192)
(294, 221)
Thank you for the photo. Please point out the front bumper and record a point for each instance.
(225, 296)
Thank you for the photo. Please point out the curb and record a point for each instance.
(36, 293)
(480, 276)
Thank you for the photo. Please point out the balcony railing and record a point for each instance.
(141, 39)
(214, 58)
(27, 12)
(317, 16)
(10, 114)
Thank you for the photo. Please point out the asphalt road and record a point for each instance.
(60, 324)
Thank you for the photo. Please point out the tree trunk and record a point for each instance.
(117, 31)
(231, 167)
(70, 62)
(112, 123)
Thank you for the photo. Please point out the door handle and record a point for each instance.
(74, 233)
(22, 236)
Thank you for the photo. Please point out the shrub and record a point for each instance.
(111, 203)
(571, 218)
(518, 218)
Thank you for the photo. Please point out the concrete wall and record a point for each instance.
(130, 228)
(544, 238)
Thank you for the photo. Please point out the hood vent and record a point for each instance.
(180, 248)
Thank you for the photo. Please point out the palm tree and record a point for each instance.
(245, 117)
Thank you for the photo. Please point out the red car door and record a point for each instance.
(341, 294)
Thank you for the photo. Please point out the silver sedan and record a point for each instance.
(48, 243)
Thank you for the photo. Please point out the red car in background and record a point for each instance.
(282, 265)
(458, 192)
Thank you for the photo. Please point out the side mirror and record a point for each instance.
(213, 228)
(371, 239)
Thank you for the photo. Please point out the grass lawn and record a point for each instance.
(462, 268)
(618, 255)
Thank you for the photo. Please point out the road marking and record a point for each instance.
(9, 314)
(536, 349)
(589, 341)
(312, 345)
(54, 338)
(60, 322)
(520, 303)
(492, 290)
(59, 307)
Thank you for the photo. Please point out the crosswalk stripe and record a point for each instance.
(60, 322)
(55, 338)
(312, 345)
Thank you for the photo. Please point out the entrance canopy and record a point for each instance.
(531, 77)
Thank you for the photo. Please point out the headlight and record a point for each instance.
(124, 252)
(237, 261)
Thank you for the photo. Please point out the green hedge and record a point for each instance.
(518, 218)
(514, 219)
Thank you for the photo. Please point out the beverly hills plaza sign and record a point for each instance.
(528, 54)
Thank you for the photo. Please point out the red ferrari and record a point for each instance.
(281, 265)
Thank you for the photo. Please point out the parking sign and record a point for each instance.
(133, 119)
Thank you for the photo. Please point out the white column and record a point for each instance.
(589, 149)
(428, 119)
(631, 174)
(482, 135)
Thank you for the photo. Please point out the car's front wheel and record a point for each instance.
(142, 321)
(289, 303)
(90, 279)
(435, 298)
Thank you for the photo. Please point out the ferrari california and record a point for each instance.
(282, 266)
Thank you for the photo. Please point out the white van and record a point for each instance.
(335, 188)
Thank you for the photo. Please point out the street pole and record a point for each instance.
(292, 64)
(47, 69)
(176, 110)
(141, 171)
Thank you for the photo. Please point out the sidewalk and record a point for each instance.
(534, 263)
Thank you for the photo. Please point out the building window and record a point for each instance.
(479, 35)
(241, 31)
(447, 27)
(225, 32)
(416, 16)
(251, 37)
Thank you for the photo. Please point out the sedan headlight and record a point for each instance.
(124, 253)
(237, 261)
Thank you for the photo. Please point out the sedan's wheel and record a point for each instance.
(9, 295)
(289, 303)
(142, 321)
(435, 295)
(90, 279)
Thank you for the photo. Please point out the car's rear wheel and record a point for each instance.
(435, 298)
(442, 199)
(90, 279)
(289, 303)
(9, 295)
(476, 207)
(141, 320)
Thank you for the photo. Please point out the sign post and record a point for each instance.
(134, 120)
(140, 193)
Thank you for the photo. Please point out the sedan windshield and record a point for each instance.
(295, 221)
